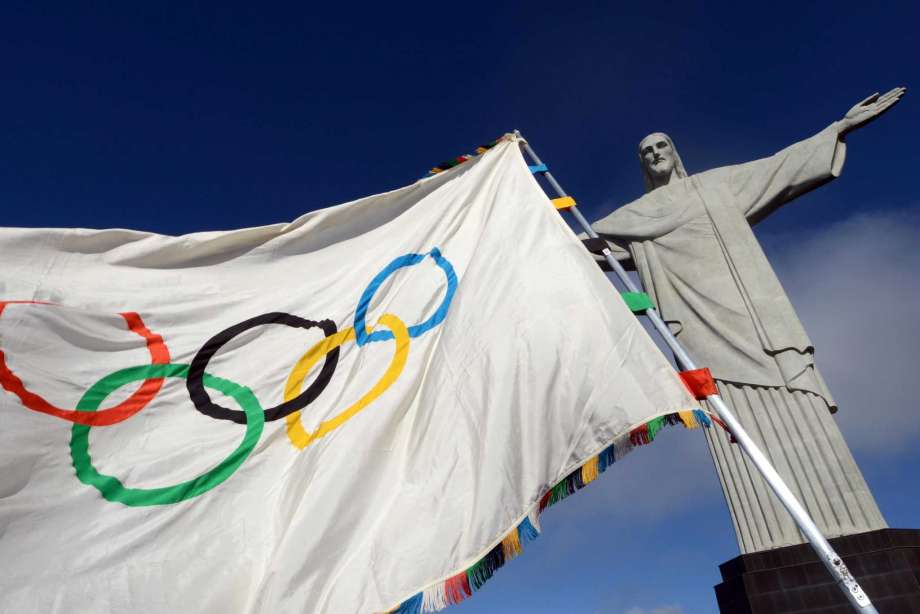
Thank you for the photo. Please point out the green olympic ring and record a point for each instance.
(111, 488)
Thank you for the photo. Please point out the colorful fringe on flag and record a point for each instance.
(462, 585)
(447, 164)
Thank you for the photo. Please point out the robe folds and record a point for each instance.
(693, 246)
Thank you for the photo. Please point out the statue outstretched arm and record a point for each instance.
(763, 186)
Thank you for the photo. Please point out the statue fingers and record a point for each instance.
(868, 100)
(880, 108)
(895, 94)
(890, 103)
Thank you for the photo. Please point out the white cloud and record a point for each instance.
(856, 287)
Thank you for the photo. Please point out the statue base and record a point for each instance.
(785, 580)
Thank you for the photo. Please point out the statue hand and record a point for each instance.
(869, 109)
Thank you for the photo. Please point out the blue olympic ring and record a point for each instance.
(363, 335)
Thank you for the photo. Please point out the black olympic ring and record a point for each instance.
(195, 380)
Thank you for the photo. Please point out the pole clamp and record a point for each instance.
(595, 245)
(638, 302)
(563, 202)
(699, 382)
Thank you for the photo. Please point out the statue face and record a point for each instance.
(657, 157)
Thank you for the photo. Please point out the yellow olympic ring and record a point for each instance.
(295, 430)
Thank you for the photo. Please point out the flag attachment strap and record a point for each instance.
(595, 245)
(638, 302)
(699, 382)
(563, 202)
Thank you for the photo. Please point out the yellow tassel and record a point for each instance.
(589, 471)
(511, 545)
(481, 150)
(688, 419)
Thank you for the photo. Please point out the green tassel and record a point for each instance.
(654, 426)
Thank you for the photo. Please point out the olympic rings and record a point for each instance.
(87, 414)
(159, 355)
(200, 362)
(365, 336)
(112, 489)
(296, 433)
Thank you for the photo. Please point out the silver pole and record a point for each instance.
(807, 526)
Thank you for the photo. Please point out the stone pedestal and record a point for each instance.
(790, 580)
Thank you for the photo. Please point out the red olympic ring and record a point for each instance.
(159, 355)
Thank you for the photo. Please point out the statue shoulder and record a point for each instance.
(651, 204)
(716, 176)
(652, 215)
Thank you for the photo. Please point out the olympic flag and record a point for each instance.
(359, 411)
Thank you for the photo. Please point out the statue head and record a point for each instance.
(660, 160)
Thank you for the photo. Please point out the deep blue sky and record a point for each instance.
(199, 117)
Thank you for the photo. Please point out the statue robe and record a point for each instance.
(691, 242)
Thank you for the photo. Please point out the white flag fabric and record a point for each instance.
(359, 411)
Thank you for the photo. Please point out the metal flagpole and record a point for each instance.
(831, 559)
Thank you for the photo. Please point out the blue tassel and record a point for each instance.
(526, 532)
(606, 458)
(702, 418)
(412, 605)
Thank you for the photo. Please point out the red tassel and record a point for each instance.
(731, 438)
(639, 435)
(544, 500)
(699, 382)
(457, 588)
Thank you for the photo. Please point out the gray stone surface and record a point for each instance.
(803, 442)
(691, 240)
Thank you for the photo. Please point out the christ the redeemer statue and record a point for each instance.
(690, 240)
